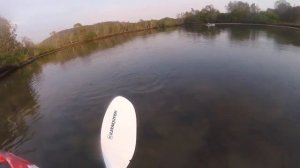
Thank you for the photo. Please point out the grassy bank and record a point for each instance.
(77, 35)
(81, 33)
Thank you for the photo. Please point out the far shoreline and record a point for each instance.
(280, 25)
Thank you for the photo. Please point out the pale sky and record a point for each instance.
(37, 18)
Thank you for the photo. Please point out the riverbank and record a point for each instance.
(6, 70)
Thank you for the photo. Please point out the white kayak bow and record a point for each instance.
(118, 133)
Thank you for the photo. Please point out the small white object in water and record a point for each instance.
(210, 24)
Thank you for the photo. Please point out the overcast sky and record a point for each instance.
(37, 18)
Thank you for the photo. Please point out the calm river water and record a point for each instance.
(219, 97)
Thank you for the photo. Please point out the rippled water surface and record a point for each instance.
(218, 97)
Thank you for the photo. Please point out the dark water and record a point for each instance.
(219, 97)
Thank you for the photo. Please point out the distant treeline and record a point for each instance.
(80, 33)
(243, 12)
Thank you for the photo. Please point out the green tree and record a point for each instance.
(9, 46)
(238, 7)
(296, 14)
(8, 35)
(209, 13)
(239, 11)
(282, 6)
(284, 10)
(254, 9)
(269, 16)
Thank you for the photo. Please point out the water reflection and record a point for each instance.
(285, 36)
(279, 35)
(203, 31)
(18, 110)
(217, 97)
(243, 34)
(239, 33)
